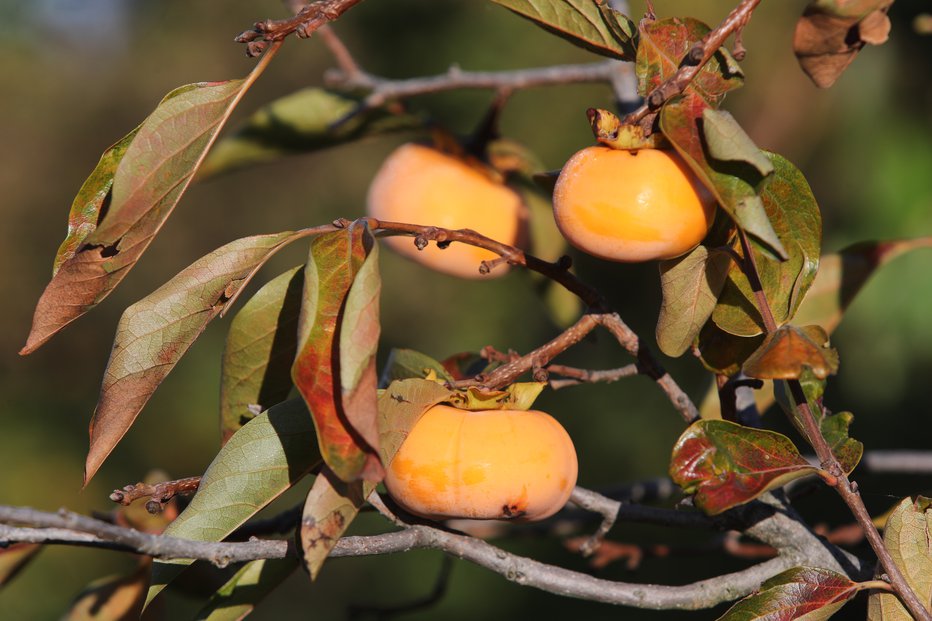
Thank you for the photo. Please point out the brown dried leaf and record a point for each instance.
(786, 353)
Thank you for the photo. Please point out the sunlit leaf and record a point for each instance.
(240, 594)
(407, 363)
(14, 558)
(735, 186)
(155, 332)
(724, 464)
(690, 286)
(115, 598)
(260, 347)
(267, 456)
(663, 45)
(338, 333)
(301, 122)
(794, 214)
(90, 200)
(728, 142)
(830, 34)
(581, 22)
(906, 535)
(788, 352)
(155, 170)
(332, 504)
(808, 593)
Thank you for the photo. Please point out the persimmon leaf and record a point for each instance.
(401, 406)
(407, 363)
(267, 456)
(153, 173)
(724, 464)
(155, 332)
(728, 142)
(338, 331)
(14, 558)
(906, 535)
(788, 352)
(809, 593)
(724, 353)
(239, 596)
(664, 43)
(690, 286)
(792, 210)
(114, 598)
(90, 200)
(301, 122)
(260, 347)
(735, 187)
(584, 23)
(830, 34)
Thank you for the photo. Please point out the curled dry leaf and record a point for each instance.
(788, 352)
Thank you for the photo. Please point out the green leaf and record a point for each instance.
(301, 122)
(248, 586)
(155, 332)
(690, 286)
(260, 347)
(267, 456)
(907, 536)
(808, 593)
(407, 363)
(151, 177)
(114, 598)
(794, 214)
(338, 333)
(332, 504)
(662, 46)
(725, 465)
(736, 187)
(582, 22)
(790, 351)
(830, 34)
(14, 558)
(728, 142)
(90, 200)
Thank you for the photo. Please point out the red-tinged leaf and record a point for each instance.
(808, 593)
(794, 214)
(690, 286)
(155, 332)
(332, 504)
(267, 456)
(724, 464)
(155, 170)
(307, 120)
(240, 595)
(260, 347)
(338, 332)
(14, 558)
(662, 46)
(587, 23)
(115, 598)
(831, 33)
(790, 351)
(89, 202)
(907, 535)
(736, 187)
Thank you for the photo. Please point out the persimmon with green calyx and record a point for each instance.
(423, 185)
(629, 201)
(483, 464)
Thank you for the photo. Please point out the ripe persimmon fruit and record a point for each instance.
(486, 464)
(631, 205)
(422, 185)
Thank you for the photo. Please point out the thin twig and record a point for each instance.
(160, 493)
(304, 23)
(575, 376)
(341, 54)
(603, 505)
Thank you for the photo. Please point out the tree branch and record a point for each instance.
(310, 18)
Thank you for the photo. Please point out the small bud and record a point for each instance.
(153, 507)
(443, 245)
(484, 268)
(421, 242)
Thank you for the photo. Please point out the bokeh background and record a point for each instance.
(77, 75)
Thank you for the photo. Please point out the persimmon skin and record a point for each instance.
(421, 185)
(491, 464)
(631, 206)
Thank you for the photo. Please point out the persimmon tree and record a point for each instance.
(755, 302)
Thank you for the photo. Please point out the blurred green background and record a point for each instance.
(80, 74)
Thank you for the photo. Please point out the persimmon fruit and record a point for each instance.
(422, 185)
(631, 205)
(488, 464)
